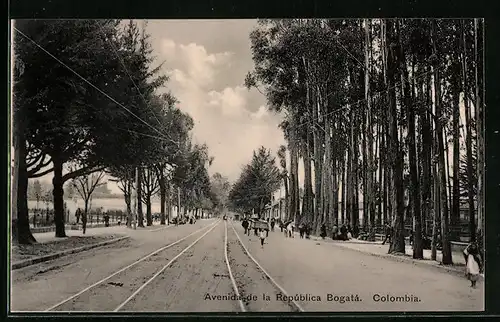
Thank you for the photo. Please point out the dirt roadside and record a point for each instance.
(25, 252)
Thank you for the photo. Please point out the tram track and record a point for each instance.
(110, 291)
(255, 288)
(135, 286)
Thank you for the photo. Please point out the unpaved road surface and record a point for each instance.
(321, 277)
(184, 286)
(260, 294)
(356, 281)
(38, 287)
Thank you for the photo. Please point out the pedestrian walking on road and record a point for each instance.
(290, 230)
(323, 231)
(334, 232)
(262, 235)
(272, 224)
(78, 213)
(245, 225)
(302, 230)
(388, 230)
(343, 232)
(473, 263)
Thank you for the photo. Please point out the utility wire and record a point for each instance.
(88, 82)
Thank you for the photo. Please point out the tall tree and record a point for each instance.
(258, 180)
(85, 186)
(440, 150)
(284, 176)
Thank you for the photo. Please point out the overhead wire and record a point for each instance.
(89, 83)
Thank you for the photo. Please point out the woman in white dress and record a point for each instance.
(473, 263)
(290, 229)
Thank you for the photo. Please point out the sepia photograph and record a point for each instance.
(247, 165)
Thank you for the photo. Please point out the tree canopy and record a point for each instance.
(258, 180)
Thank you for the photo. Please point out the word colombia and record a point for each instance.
(314, 298)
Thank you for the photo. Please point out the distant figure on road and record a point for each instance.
(473, 263)
(388, 231)
(349, 233)
(273, 222)
(262, 235)
(343, 232)
(290, 229)
(335, 231)
(78, 213)
(308, 230)
(323, 231)
(302, 230)
(245, 225)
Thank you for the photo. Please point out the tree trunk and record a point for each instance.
(479, 134)
(381, 186)
(449, 190)
(85, 214)
(128, 201)
(436, 212)
(441, 162)
(370, 205)
(349, 176)
(58, 193)
(318, 167)
(163, 196)
(364, 172)
(307, 203)
(455, 205)
(343, 207)
(140, 216)
(355, 201)
(149, 218)
(287, 198)
(385, 186)
(294, 186)
(412, 158)
(169, 202)
(436, 221)
(426, 157)
(335, 197)
(397, 193)
(21, 227)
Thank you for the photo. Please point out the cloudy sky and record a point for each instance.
(207, 61)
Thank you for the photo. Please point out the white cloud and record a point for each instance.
(223, 119)
(194, 61)
(261, 113)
